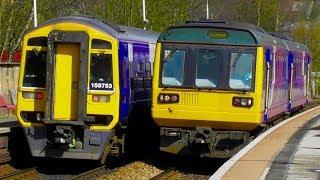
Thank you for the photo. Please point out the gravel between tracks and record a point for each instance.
(136, 170)
(4, 158)
(176, 175)
(6, 169)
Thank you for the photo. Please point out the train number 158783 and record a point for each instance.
(102, 86)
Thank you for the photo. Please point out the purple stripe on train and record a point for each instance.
(280, 63)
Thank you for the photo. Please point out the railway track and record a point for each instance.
(4, 158)
(134, 170)
(25, 174)
(167, 174)
(92, 174)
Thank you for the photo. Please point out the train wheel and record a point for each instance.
(19, 148)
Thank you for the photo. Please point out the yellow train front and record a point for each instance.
(76, 86)
(217, 83)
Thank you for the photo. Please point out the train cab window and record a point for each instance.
(100, 44)
(35, 69)
(241, 71)
(101, 77)
(38, 41)
(173, 67)
(207, 68)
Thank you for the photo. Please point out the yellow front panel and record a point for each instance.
(107, 108)
(66, 81)
(208, 108)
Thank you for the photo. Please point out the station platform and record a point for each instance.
(289, 150)
(7, 122)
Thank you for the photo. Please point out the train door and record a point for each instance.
(307, 71)
(66, 81)
(290, 78)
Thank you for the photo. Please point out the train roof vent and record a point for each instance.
(111, 24)
(280, 35)
(230, 24)
(207, 21)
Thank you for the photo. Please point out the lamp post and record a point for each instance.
(35, 16)
(145, 20)
(208, 9)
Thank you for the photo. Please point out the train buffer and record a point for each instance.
(289, 150)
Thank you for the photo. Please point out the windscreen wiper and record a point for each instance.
(100, 54)
(35, 51)
(237, 59)
(170, 54)
(99, 57)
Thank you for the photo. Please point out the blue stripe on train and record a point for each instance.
(124, 81)
(290, 62)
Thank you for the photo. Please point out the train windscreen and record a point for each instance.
(35, 69)
(241, 70)
(101, 77)
(207, 66)
(173, 67)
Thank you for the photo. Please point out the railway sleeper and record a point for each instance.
(203, 141)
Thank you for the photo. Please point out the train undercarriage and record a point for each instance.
(207, 142)
(75, 142)
(202, 141)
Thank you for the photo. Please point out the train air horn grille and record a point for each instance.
(189, 98)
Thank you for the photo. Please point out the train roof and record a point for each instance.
(117, 31)
(221, 24)
(261, 37)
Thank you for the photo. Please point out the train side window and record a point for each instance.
(271, 67)
(100, 44)
(101, 77)
(148, 69)
(35, 69)
(140, 69)
(38, 41)
(284, 68)
(306, 65)
(241, 70)
(124, 74)
(294, 67)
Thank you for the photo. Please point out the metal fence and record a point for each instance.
(315, 84)
(9, 74)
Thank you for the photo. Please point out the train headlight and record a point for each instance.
(168, 98)
(100, 98)
(32, 95)
(242, 101)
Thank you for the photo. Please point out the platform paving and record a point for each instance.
(289, 151)
(8, 121)
(300, 158)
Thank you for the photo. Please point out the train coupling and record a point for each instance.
(202, 141)
(65, 136)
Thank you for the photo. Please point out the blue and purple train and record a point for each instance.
(80, 78)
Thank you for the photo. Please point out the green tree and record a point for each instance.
(271, 15)
(15, 20)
